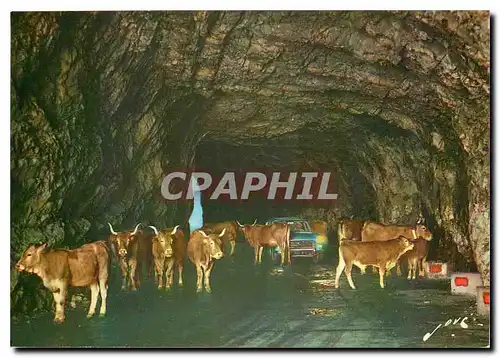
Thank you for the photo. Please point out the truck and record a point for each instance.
(303, 242)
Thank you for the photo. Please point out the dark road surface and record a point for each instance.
(268, 307)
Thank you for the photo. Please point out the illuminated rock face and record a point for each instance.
(103, 105)
(196, 218)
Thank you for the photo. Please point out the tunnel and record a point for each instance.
(395, 104)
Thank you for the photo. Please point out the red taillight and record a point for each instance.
(486, 298)
(435, 268)
(461, 281)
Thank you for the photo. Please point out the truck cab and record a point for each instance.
(303, 242)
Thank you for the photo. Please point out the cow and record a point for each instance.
(85, 266)
(350, 229)
(320, 227)
(202, 250)
(381, 254)
(373, 231)
(417, 255)
(272, 235)
(132, 250)
(169, 249)
(230, 234)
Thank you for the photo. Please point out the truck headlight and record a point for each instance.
(320, 239)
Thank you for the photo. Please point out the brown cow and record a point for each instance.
(169, 248)
(381, 254)
(350, 229)
(272, 235)
(373, 231)
(202, 249)
(417, 255)
(230, 234)
(60, 268)
(133, 249)
(319, 227)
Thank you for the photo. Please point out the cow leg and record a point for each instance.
(283, 253)
(381, 274)
(94, 294)
(138, 272)
(124, 269)
(348, 269)
(288, 253)
(169, 273)
(421, 270)
(149, 266)
(103, 289)
(261, 248)
(159, 273)
(398, 269)
(59, 300)
(199, 276)
(361, 267)
(256, 252)
(340, 268)
(180, 268)
(415, 261)
(409, 269)
(133, 266)
(208, 289)
(233, 244)
(374, 269)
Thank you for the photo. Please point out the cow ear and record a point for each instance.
(41, 247)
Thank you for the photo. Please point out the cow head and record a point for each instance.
(31, 258)
(246, 228)
(165, 239)
(214, 244)
(122, 240)
(423, 232)
(406, 244)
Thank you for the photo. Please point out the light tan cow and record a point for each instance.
(87, 266)
(169, 249)
(350, 229)
(381, 254)
(415, 257)
(272, 235)
(202, 250)
(373, 231)
(231, 232)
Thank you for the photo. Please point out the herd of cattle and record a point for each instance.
(361, 243)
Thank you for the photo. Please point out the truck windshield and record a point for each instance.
(298, 226)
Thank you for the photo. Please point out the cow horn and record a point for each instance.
(414, 234)
(136, 228)
(174, 230)
(255, 222)
(155, 229)
(222, 233)
(239, 223)
(203, 232)
(112, 231)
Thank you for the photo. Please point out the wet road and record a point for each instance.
(267, 307)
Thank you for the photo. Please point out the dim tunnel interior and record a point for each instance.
(394, 104)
